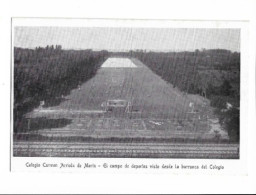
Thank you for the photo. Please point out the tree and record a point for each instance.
(232, 124)
(210, 90)
(225, 88)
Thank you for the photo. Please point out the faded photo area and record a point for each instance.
(126, 92)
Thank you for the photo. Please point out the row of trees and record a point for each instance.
(42, 76)
(214, 74)
(50, 72)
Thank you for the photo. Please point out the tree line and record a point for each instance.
(47, 74)
(214, 74)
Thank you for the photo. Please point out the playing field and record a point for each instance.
(161, 110)
(158, 114)
(121, 78)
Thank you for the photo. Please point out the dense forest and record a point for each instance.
(51, 72)
(47, 74)
(214, 74)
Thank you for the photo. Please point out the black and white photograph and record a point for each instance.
(128, 97)
(126, 92)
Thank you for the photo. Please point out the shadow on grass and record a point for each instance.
(33, 124)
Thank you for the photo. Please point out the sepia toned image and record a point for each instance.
(126, 92)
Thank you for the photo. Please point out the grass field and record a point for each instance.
(163, 111)
(154, 97)
(164, 125)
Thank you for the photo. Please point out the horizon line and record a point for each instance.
(126, 50)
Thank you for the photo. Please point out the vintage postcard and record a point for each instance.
(127, 97)
(135, 89)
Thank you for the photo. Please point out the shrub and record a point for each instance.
(218, 101)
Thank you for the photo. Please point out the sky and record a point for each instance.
(125, 39)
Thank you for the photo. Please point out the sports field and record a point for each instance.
(161, 110)
(120, 78)
(126, 105)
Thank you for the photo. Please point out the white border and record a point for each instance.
(124, 183)
(232, 167)
(129, 23)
